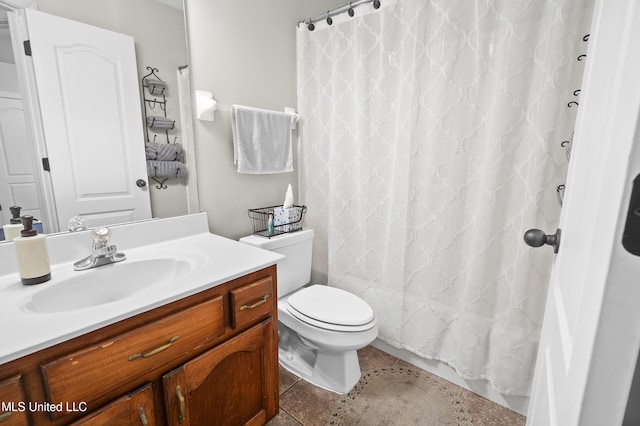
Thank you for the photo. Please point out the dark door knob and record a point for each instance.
(537, 238)
(141, 183)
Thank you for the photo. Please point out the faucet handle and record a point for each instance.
(100, 237)
(77, 223)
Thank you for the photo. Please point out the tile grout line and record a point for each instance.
(291, 415)
(289, 387)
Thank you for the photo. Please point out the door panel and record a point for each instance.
(90, 104)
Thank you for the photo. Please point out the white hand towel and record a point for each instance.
(262, 140)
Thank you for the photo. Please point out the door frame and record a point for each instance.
(33, 120)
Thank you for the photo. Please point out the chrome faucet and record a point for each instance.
(102, 252)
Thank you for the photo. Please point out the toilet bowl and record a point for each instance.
(320, 327)
(323, 353)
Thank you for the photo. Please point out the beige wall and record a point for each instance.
(160, 42)
(242, 51)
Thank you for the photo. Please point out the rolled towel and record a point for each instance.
(166, 169)
(164, 151)
(154, 82)
(160, 122)
(155, 87)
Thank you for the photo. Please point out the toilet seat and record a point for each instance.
(331, 308)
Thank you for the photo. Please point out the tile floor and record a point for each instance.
(304, 404)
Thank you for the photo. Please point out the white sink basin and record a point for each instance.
(106, 284)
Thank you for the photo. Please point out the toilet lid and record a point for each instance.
(330, 305)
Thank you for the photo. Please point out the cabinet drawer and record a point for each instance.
(251, 302)
(13, 411)
(93, 372)
(133, 409)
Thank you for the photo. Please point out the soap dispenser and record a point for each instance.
(33, 257)
(13, 228)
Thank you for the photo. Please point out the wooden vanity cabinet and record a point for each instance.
(208, 359)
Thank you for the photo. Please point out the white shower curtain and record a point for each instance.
(429, 142)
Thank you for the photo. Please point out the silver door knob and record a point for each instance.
(537, 238)
(141, 183)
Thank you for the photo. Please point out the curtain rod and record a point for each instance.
(310, 22)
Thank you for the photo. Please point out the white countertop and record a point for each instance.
(213, 260)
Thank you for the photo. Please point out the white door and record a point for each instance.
(89, 97)
(590, 336)
(17, 181)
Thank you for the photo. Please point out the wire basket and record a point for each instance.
(284, 220)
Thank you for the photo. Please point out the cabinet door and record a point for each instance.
(133, 409)
(13, 410)
(235, 383)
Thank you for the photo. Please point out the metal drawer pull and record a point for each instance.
(183, 405)
(143, 417)
(255, 305)
(155, 351)
(5, 416)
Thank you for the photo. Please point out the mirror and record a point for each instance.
(157, 27)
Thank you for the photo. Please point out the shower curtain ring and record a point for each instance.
(376, 4)
(329, 20)
(310, 26)
(351, 12)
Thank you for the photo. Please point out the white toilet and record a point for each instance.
(320, 327)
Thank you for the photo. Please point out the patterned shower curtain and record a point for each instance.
(429, 142)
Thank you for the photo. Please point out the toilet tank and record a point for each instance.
(295, 271)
